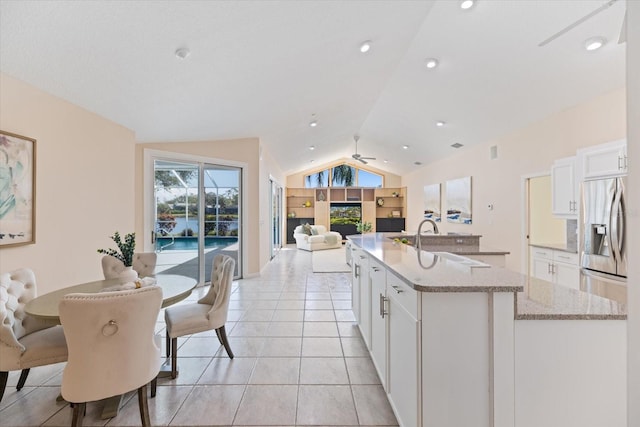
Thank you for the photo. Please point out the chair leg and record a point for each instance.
(23, 378)
(222, 336)
(154, 386)
(174, 358)
(144, 407)
(168, 345)
(79, 410)
(3, 382)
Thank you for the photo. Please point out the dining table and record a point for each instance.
(175, 288)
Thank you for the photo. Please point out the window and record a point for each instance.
(369, 179)
(318, 179)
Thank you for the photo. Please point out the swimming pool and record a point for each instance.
(191, 243)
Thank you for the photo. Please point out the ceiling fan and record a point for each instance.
(357, 156)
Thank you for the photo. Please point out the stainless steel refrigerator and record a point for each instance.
(602, 238)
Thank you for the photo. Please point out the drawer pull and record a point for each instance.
(376, 269)
(362, 256)
(397, 289)
(382, 312)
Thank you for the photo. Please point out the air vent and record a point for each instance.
(457, 145)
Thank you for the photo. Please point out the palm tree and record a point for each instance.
(343, 174)
(319, 178)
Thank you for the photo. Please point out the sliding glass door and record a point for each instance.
(197, 216)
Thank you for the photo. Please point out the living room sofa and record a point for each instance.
(316, 237)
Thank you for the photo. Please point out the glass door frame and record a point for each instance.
(148, 221)
(276, 216)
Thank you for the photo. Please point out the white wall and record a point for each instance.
(527, 151)
(269, 169)
(84, 185)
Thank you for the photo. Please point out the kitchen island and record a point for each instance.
(459, 342)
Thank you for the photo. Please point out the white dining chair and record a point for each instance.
(210, 312)
(112, 349)
(144, 263)
(25, 341)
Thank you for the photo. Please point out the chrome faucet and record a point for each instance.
(418, 242)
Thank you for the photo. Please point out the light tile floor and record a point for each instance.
(299, 360)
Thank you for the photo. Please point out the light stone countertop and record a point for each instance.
(535, 299)
(557, 246)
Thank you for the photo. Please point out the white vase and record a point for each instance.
(128, 275)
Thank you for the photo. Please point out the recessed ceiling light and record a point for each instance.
(431, 62)
(313, 123)
(440, 123)
(406, 147)
(311, 161)
(594, 43)
(466, 4)
(386, 161)
(457, 145)
(313, 147)
(182, 53)
(417, 163)
(365, 46)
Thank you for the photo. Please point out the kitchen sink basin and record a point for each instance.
(461, 260)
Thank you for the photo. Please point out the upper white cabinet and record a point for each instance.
(564, 189)
(605, 160)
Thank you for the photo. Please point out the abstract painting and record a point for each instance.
(17, 189)
(432, 202)
(459, 200)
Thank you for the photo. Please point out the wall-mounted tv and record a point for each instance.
(345, 213)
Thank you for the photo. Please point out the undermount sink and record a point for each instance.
(461, 260)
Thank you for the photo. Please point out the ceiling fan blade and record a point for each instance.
(368, 158)
(362, 160)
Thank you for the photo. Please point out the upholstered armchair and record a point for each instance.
(112, 349)
(144, 263)
(210, 312)
(316, 237)
(25, 341)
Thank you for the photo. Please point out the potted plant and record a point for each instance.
(124, 253)
(363, 227)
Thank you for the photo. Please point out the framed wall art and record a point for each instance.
(459, 200)
(432, 202)
(17, 190)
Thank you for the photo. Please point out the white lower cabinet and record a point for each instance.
(359, 276)
(378, 348)
(555, 266)
(404, 337)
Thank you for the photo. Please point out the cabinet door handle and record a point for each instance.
(356, 270)
(626, 162)
(382, 312)
(548, 268)
(361, 256)
(620, 163)
(397, 289)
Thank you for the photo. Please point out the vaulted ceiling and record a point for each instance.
(268, 68)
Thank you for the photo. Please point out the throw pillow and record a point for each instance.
(306, 229)
(314, 231)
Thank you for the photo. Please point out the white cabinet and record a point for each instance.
(378, 348)
(558, 267)
(605, 160)
(359, 274)
(564, 188)
(404, 359)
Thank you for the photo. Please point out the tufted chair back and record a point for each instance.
(25, 341)
(220, 290)
(16, 289)
(144, 263)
